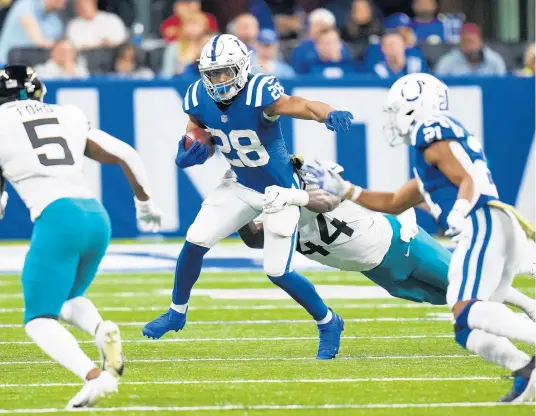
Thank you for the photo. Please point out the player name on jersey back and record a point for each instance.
(41, 152)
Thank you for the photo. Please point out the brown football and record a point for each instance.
(201, 136)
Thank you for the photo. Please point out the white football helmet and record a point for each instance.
(224, 66)
(413, 98)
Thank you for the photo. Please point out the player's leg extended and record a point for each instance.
(396, 271)
(80, 311)
(221, 214)
(47, 278)
(280, 234)
(475, 275)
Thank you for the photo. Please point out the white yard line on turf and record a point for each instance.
(268, 407)
(172, 360)
(246, 339)
(271, 381)
(254, 307)
(274, 321)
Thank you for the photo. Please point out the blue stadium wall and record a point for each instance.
(148, 116)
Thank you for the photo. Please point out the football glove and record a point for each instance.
(339, 121)
(197, 154)
(3, 204)
(149, 216)
(456, 218)
(276, 198)
(321, 176)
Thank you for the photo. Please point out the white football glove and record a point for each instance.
(3, 204)
(276, 198)
(149, 216)
(456, 218)
(320, 175)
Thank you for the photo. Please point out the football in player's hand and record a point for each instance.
(201, 136)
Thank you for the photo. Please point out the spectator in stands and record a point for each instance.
(288, 17)
(63, 63)
(127, 63)
(396, 64)
(363, 24)
(31, 23)
(182, 9)
(529, 60)
(192, 70)
(246, 28)
(93, 28)
(334, 61)
(427, 27)
(185, 50)
(472, 57)
(266, 58)
(396, 23)
(305, 54)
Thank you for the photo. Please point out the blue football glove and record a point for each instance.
(339, 120)
(195, 155)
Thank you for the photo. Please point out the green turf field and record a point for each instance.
(255, 357)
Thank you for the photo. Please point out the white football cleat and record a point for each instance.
(108, 339)
(94, 390)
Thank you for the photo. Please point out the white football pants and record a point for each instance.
(232, 206)
(487, 257)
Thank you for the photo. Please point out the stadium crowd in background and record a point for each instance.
(287, 37)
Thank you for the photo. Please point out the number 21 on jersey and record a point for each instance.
(245, 152)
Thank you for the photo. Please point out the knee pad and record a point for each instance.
(282, 223)
(461, 335)
(201, 235)
(462, 318)
(275, 270)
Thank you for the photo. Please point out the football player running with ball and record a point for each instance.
(42, 148)
(242, 113)
(452, 177)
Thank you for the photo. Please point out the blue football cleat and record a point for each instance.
(524, 381)
(169, 321)
(330, 338)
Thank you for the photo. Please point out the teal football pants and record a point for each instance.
(416, 271)
(68, 242)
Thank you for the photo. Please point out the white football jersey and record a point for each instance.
(41, 152)
(349, 238)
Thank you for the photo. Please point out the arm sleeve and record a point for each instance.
(124, 152)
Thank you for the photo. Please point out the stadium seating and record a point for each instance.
(28, 56)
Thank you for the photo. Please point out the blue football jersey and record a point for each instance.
(251, 142)
(439, 192)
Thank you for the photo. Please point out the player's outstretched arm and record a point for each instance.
(277, 198)
(252, 234)
(106, 149)
(389, 202)
(299, 107)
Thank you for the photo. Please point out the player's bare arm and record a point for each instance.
(440, 154)
(299, 107)
(321, 201)
(108, 150)
(390, 202)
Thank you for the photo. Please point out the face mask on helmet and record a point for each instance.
(224, 82)
(221, 83)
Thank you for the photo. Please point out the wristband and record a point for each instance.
(353, 192)
(463, 206)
